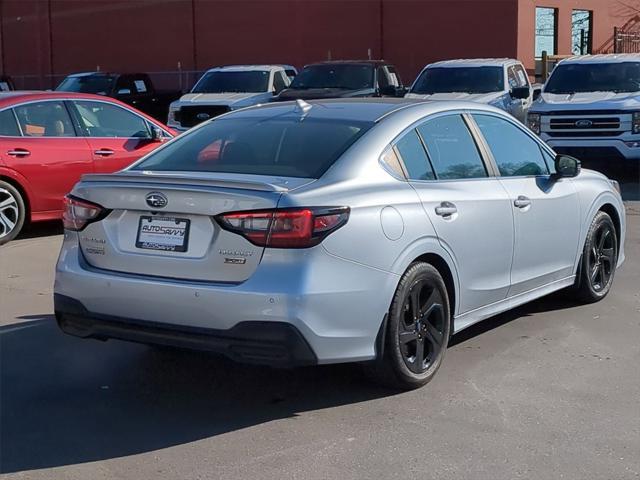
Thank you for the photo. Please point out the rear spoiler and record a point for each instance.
(203, 179)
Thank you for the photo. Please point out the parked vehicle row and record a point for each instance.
(135, 89)
(48, 140)
(346, 230)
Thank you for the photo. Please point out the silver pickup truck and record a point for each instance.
(590, 108)
(500, 82)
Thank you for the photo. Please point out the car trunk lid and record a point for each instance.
(178, 237)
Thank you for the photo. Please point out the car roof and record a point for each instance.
(353, 109)
(603, 58)
(474, 62)
(245, 68)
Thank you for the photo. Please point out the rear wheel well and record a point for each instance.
(441, 265)
(613, 213)
(23, 193)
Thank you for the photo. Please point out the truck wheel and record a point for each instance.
(12, 212)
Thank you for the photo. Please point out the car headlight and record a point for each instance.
(635, 123)
(533, 121)
(173, 115)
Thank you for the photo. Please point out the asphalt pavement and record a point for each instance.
(548, 391)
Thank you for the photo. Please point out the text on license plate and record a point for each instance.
(163, 233)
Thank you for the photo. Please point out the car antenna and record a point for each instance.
(302, 107)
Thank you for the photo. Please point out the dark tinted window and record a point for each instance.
(595, 77)
(8, 125)
(279, 82)
(271, 146)
(101, 119)
(235, 82)
(515, 152)
(459, 79)
(414, 157)
(451, 148)
(100, 84)
(44, 119)
(344, 76)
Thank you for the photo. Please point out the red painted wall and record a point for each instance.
(44, 40)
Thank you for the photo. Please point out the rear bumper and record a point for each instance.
(335, 306)
(268, 343)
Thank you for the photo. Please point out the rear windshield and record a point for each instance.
(459, 80)
(343, 76)
(233, 82)
(99, 84)
(596, 77)
(278, 146)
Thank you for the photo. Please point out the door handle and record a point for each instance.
(19, 152)
(522, 202)
(446, 209)
(104, 152)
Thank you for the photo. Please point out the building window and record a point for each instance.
(581, 22)
(546, 31)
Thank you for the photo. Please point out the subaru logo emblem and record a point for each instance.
(202, 116)
(584, 123)
(156, 200)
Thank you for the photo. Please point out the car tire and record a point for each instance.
(12, 212)
(599, 260)
(417, 330)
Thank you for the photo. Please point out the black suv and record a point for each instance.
(345, 78)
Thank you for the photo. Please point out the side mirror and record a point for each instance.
(157, 135)
(520, 92)
(537, 91)
(566, 166)
(392, 91)
(124, 91)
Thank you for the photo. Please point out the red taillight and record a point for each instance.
(79, 213)
(285, 228)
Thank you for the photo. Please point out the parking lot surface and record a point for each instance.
(548, 391)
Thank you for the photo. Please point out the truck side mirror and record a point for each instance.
(520, 92)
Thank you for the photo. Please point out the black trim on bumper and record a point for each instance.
(276, 344)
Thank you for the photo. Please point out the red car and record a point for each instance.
(49, 139)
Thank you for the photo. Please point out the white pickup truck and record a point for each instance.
(501, 82)
(222, 89)
(590, 108)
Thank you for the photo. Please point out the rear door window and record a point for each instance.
(451, 148)
(45, 119)
(261, 146)
(8, 125)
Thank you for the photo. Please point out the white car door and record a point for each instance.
(546, 210)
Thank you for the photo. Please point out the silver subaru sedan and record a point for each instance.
(335, 231)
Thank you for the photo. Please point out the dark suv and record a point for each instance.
(342, 79)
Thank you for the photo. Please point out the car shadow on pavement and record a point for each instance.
(67, 401)
(44, 229)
